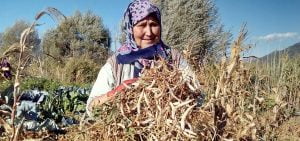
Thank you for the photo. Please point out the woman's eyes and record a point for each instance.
(144, 24)
(154, 24)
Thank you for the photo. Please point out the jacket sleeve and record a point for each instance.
(103, 84)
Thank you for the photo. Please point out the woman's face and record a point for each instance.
(146, 32)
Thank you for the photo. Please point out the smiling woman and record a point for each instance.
(147, 32)
(143, 45)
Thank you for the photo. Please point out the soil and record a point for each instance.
(289, 130)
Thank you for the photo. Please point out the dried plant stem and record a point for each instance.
(17, 132)
(16, 92)
(6, 126)
(22, 63)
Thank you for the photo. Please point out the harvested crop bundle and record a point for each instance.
(162, 104)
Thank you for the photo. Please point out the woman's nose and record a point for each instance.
(148, 30)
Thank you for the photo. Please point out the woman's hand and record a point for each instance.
(99, 100)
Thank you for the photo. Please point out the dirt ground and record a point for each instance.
(289, 130)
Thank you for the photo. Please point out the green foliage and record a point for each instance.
(65, 101)
(5, 84)
(60, 100)
(6, 89)
(81, 70)
(10, 47)
(76, 49)
(12, 36)
(1, 34)
(77, 35)
(31, 83)
(74, 102)
(192, 25)
(269, 104)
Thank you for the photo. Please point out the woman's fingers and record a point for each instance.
(97, 101)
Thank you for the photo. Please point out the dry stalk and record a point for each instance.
(6, 126)
(23, 59)
(165, 113)
(184, 115)
(226, 75)
(16, 91)
(163, 107)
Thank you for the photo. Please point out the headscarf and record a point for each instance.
(6, 68)
(130, 53)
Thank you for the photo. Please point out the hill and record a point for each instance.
(291, 51)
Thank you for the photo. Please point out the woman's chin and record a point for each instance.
(147, 45)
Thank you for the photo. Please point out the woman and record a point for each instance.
(6, 68)
(142, 24)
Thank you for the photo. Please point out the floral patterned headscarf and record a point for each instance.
(136, 11)
(130, 53)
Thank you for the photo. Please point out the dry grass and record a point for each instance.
(153, 108)
(162, 106)
(242, 103)
(22, 50)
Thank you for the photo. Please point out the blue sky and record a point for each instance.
(272, 24)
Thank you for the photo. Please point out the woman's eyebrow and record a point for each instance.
(142, 22)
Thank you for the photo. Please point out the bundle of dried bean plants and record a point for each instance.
(164, 105)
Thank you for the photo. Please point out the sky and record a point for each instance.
(272, 24)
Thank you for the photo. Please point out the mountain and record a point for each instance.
(291, 51)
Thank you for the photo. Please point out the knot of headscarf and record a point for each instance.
(130, 53)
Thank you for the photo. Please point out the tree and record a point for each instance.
(11, 37)
(80, 37)
(10, 46)
(192, 25)
(1, 34)
(77, 35)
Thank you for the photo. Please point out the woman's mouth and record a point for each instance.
(149, 40)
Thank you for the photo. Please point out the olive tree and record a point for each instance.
(80, 36)
(11, 37)
(193, 26)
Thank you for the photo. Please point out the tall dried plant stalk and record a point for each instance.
(233, 63)
(22, 64)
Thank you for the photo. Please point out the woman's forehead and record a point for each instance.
(140, 9)
(148, 18)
